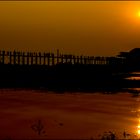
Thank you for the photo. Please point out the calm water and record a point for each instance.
(64, 116)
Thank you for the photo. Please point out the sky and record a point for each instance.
(97, 28)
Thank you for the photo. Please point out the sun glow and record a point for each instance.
(139, 13)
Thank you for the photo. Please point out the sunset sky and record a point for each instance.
(100, 28)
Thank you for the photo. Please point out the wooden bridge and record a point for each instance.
(38, 58)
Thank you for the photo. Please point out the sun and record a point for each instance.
(139, 13)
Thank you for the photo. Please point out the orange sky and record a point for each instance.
(78, 27)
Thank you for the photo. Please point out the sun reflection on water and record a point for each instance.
(138, 115)
(137, 111)
(138, 131)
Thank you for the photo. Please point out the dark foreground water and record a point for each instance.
(68, 115)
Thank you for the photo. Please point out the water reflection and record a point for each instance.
(135, 132)
(135, 72)
(138, 113)
(82, 115)
(135, 92)
(133, 78)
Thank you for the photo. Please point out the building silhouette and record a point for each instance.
(131, 58)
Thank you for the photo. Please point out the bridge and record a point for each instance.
(39, 58)
(63, 72)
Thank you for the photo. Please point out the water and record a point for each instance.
(68, 116)
(134, 76)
